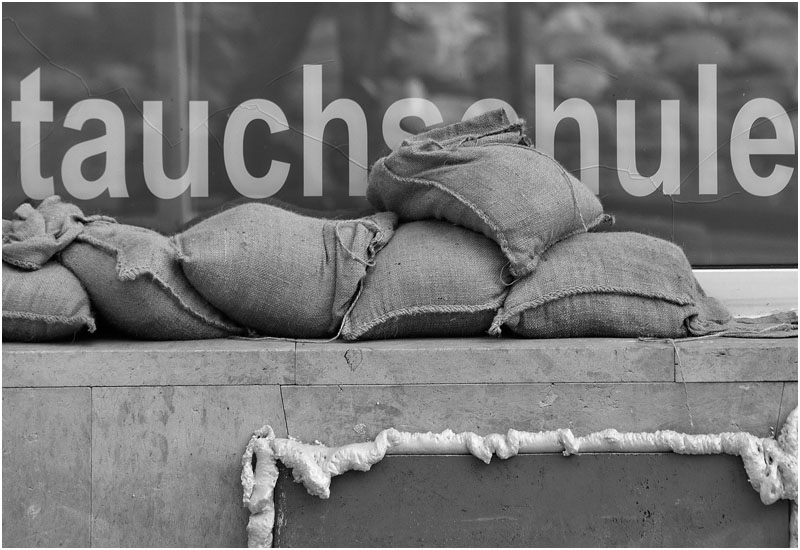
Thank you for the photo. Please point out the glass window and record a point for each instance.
(682, 117)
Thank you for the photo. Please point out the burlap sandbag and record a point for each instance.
(43, 305)
(136, 285)
(280, 273)
(432, 279)
(483, 174)
(611, 284)
(34, 235)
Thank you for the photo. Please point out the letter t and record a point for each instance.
(30, 111)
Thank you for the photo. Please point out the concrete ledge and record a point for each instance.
(736, 360)
(138, 363)
(484, 361)
(414, 361)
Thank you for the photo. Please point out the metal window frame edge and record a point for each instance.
(751, 292)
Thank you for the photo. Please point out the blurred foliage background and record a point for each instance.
(452, 54)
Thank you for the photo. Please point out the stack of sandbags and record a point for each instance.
(280, 273)
(484, 175)
(42, 300)
(253, 269)
(68, 266)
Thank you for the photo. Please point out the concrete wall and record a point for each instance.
(117, 443)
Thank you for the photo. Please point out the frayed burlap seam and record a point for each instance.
(468, 139)
(500, 235)
(518, 267)
(504, 315)
(123, 273)
(27, 266)
(175, 244)
(459, 129)
(383, 234)
(132, 273)
(369, 260)
(373, 248)
(73, 321)
(602, 218)
(765, 332)
(375, 245)
(576, 208)
(129, 273)
(354, 332)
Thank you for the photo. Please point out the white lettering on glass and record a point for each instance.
(196, 174)
(668, 175)
(707, 129)
(315, 118)
(418, 107)
(742, 146)
(248, 185)
(112, 145)
(548, 117)
(30, 112)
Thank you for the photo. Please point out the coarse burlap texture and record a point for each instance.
(432, 279)
(137, 286)
(483, 174)
(614, 285)
(44, 304)
(782, 324)
(35, 235)
(280, 273)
